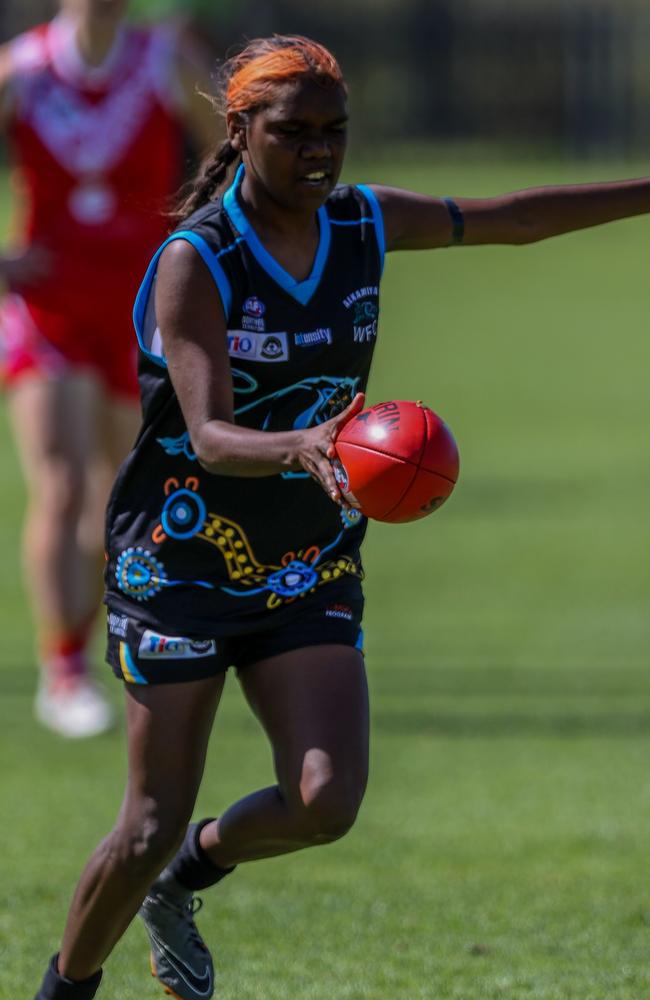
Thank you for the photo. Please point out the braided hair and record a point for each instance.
(248, 82)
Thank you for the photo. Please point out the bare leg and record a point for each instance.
(168, 731)
(61, 428)
(313, 704)
(118, 422)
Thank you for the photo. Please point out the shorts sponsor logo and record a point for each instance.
(154, 646)
(117, 624)
(257, 346)
(339, 611)
(323, 335)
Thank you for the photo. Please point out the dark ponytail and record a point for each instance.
(212, 174)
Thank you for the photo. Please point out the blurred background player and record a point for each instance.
(96, 113)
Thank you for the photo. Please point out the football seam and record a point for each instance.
(416, 467)
(398, 458)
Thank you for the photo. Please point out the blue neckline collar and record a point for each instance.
(302, 291)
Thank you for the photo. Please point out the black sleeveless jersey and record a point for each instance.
(212, 555)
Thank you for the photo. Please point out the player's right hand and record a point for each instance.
(317, 450)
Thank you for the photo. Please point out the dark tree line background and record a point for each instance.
(568, 76)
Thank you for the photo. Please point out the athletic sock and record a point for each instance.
(192, 868)
(64, 658)
(57, 987)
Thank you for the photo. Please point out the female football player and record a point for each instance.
(228, 541)
(95, 114)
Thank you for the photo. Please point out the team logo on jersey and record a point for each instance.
(370, 291)
(258, 346)
(254, 310)
(364, 302)
(154, 646)
(364, 321)
(323, 335)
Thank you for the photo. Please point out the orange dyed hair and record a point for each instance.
(251, 78)
(248, 82)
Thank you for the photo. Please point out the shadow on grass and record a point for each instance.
(507, 724)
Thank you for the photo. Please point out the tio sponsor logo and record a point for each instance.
(256, 346)
(240, 345)
(154, 646)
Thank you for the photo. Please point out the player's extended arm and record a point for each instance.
(193, 329)
(418, 222)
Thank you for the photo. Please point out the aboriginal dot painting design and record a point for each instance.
(141, 575)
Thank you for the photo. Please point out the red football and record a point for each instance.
(398, 460)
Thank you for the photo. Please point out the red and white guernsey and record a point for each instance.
(97, 154)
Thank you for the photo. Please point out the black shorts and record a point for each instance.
(141, 655)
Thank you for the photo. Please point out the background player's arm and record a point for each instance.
(418, 222)
(28, 266)
(5, 85)
(193, 329)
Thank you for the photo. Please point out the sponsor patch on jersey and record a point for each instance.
(154, 646)
(254, 306)
(257, 346)
(117, 624)
(253, 323)
(323, 335)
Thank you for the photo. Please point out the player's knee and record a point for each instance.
(60, 491)
(330, 809)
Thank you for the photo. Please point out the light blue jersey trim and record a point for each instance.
(378, 218)
(302, 291)
(352, 222)
(211, 260)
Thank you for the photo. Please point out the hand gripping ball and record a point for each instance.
(398, 460)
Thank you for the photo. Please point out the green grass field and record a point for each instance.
(502, 851)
